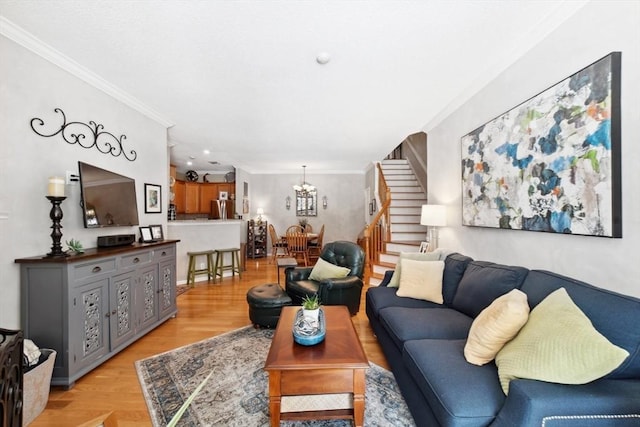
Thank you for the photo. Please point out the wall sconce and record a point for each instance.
(324, 202)
(287, 202)
(433, 216)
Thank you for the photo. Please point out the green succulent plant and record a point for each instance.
(75, 246)
(311, 302)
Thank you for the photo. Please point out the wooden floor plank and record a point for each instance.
(205, 311)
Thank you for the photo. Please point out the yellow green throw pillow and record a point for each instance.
(495, 326)
(325, 270)
(558, 344)
(421, 280)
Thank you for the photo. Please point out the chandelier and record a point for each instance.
(305, 187)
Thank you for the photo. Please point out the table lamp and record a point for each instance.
(433, 216)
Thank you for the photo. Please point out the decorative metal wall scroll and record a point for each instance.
(104, 142)
(553, 162)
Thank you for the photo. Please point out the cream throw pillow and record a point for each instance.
(325, 270)
(558, 344)
(421, 280)
(416, 256)
(495, 326)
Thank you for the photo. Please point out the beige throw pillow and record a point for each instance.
(325, 270)
(495, 326)
(421, 280)
(558, 344)
(416, 256)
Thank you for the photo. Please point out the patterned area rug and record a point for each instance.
(236, 394)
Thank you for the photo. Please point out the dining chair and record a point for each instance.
(277, 243)
(297, 246)
(315, 245)
(294, 229)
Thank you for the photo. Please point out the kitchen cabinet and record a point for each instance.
(180, 199)
(192, 197)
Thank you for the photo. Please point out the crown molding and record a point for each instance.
(40, 48)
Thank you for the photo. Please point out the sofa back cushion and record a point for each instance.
(483, 282)
(614, 315)
(455, 265)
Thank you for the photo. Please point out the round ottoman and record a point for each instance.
(265, 304)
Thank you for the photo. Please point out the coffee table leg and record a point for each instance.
(274, 398)
(358, 397)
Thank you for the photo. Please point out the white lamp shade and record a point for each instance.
(260, 211)
(434, 215)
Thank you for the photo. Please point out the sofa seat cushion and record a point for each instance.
(483, 282)
(404, 324)
(459, 393)
(382, 297)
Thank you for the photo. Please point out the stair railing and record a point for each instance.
(378, 232)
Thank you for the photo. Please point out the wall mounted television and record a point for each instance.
(107, 199)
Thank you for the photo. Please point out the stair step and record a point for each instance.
(408, 202)
(407, 227)
(386, 168)
(416, 209)
(389, 258)
(402, 181)
(381, 269)
(407, 195)
(407, 235)
(394, 161)
(403, 246)
(406, 218)
(406, 189)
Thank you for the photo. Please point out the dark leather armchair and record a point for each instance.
(342, 291)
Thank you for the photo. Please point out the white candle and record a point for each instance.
(56, 187)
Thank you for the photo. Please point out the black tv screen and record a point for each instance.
(108, 199)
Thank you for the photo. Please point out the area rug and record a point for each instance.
(237, 392)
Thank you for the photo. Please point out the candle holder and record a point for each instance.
(56, 215)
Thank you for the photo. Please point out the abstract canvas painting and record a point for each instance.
(552, 163)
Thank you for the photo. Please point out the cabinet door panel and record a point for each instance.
(121, 316)
(167, 289)
(208, 193)
(89, 323)
(180, 200)
(147, 298)
(192, 196)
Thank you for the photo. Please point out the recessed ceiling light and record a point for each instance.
(206, 151)
(189, 163)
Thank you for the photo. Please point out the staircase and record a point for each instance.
(407, 198)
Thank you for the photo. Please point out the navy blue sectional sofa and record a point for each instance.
(423, 343)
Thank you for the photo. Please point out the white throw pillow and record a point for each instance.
(394, 282)
(495, 326)
(421, 280)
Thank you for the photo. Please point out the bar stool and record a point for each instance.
(193, 271)
(220, 266)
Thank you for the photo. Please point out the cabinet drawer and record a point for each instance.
(136, 259)
(164, 253)
(94, 268)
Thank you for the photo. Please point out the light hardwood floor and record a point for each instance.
(205, 311)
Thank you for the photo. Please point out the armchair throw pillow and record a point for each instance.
(495, 326)
(421, 280)
(325, 270)
(558, 344)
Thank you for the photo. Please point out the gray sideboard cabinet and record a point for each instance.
(90, 306)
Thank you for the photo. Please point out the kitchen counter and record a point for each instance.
(201, 235)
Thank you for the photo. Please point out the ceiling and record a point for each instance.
(240, 78)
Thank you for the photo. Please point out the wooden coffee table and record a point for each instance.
(336, 365)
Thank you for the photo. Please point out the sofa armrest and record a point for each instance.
(540, 403)
(297, 273)
(387, 278)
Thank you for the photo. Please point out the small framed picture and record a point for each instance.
(145, 235)
(424, 247)
(224, 195)
(156, 232)
(152, 198)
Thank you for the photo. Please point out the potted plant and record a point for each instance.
(311, 307)
(75, 246)
(303, 223)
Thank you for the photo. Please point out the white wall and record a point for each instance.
(343, 218)
(598, 29)
(32, 87)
